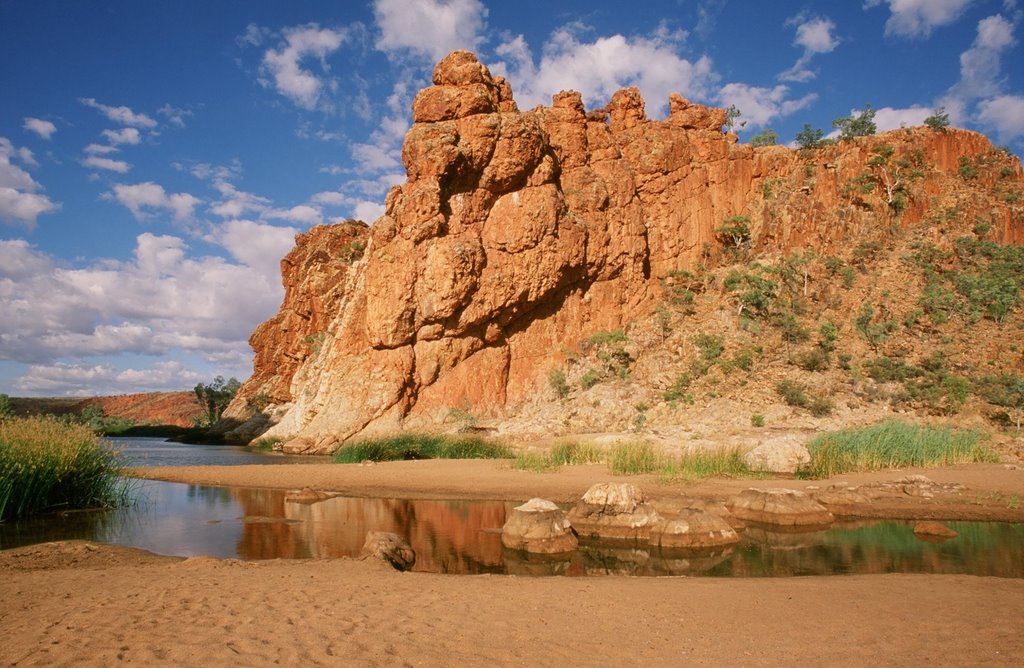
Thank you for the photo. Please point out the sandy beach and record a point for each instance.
(77, 603)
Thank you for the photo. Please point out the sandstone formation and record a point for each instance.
(614, 510)
(517, 235)
(693, 529)
(934, 531)
(781, 454)
(390, 548)
(782, 507)
(540, 527)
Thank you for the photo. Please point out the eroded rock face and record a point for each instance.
(781, 454)
(390, 548)
(783, 507)
(614, 510)
(540, 527)
(519, 234)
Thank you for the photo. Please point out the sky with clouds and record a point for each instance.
(158, 158)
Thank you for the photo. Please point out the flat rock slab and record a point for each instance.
(934, 532)
(783, 507)
(693, 528)
(538, 526)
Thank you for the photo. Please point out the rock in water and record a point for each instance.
(783, 507)
(934, 532)
(614, 510)
(389, 547)
(538, 526)
(693, 528)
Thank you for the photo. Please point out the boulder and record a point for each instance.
(614, 510)
(783, 507)
(779, 454)
(538, 526)
(716, 508)
(390, 548)
(693, 529)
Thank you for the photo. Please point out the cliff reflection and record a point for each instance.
(448, 536)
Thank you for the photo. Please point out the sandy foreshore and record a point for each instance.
(78, 603)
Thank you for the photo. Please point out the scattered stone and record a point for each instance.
(716, 508)
(784, 507)
(934, 531)
(842, 496)
(389, 547)
(781, 454)
(915, 480)
(693, 529)
(614, 510)
(538, 526)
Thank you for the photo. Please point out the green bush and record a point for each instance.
(556, 379)
(46, 463)
(420, 446)
(795, 394)
(892, 445)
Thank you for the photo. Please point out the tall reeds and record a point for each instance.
(46, 464)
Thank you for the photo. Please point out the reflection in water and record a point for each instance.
(464, 537)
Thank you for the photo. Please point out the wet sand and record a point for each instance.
(77, 603)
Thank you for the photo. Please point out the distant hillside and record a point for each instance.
(152, 408)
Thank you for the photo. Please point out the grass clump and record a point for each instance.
(47, 463)
(890, 445)
(637, 458)
(634, 458)
(561, 454)
(421, 446)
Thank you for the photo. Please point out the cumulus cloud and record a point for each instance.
(889, 118)
(123, 136)
(301, 213)
(174, 116)
(158, 302)
(917, 18)
(97, 162)
(815, 35)
(284, 64)
(429, 28)
(44, 129)
(599, 68)
(20, 201)
(1005, 115)
(122, 115)
(141, 198)
(100, 149)
(980, 65)
(758, 105)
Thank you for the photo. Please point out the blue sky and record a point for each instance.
(157, 158)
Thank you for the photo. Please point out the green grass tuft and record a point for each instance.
(421, 446)
(47, 463)
(561, 454)
(891, 445)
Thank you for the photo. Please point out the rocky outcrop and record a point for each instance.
(614, 510)
(782, 507)
(692, 529)
(540, 527)
(780, 454)
(389, 548)
(517, 235)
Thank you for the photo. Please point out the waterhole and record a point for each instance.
(463, 537)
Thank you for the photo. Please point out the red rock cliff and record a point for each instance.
(517, 234)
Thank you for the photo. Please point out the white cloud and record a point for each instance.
(122, 136)
(284, 64)
(122, 115)
(44, 129)
(1005, 115)
(96, 162)
(600, 68)
(758, 106)
(815, 35)
(374, 157)
(302, 213)
(888, 118)
(257, 245)
(158, 302)
(430, 28)
(174, 116)
(141, 197)
(368, 211)
(20, 201)
(917, 18)
(981, 64)
(100, 149)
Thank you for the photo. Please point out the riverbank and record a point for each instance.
(87, 604)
